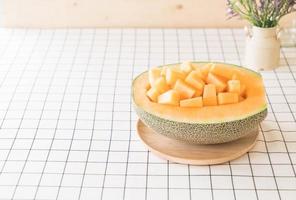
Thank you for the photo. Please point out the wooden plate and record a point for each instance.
(180, 152)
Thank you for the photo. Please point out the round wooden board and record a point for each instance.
(184, 153)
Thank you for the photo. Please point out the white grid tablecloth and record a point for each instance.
(68, 127)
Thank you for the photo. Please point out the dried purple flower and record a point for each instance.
(262, 13)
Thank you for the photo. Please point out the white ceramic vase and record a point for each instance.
(262, 48)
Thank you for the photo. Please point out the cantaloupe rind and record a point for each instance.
(206, 125)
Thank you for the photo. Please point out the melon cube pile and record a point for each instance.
(189, 85)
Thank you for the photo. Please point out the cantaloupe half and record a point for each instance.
(206, 124)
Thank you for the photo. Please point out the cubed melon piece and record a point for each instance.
(206, 68)
(186, 67)
(233, 86)
(217, 81)
(184, 89)
(200, 74)
(153, 74)
(198, 93)
(194, 102)
(227, 98)
(209, 95)
(237, 75)
(240, 98)
(194, 80)
(234, 77)
(153, 94)
(243, 89)
(147, 86)
(172, 75)
(163, 71)
(161, 85)
(222, 70)
(171, 97)
(196, 65)
(175, 67)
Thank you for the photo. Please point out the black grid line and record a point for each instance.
(272, 169)
(154, 175)
(137, 162)
(167, 163)
(128, 187)
(134, 151)
(84, 77)
(14, 139)
(209, 57)
(294, 118)
(3, 52)
(98, 91)
(179, 60)
(130, 117)
(147, 160)
(67, 82)
(223, 55)
(55, 71)
(111, 133)
(285, 142)
(39, 70)
(249, 161)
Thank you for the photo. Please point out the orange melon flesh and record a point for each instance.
(163, 71)
(161, 85)
(194, 80)
(202, 69)
(172, 75)
(253, 101)
(198, 93)
(153, 93)
(240, 98)
(243, 89)
(221, 70)
(227, 98)
(194, 102)
(184, 89)
(170, 97)
(217, 81)
(209, 95)
(154, 73)
(206, 69)
(200, 74)
(186, 67)
(234, 77)
(233, 86)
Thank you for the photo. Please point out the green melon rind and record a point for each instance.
(200, 133)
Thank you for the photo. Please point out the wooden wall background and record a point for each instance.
(117, 13)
